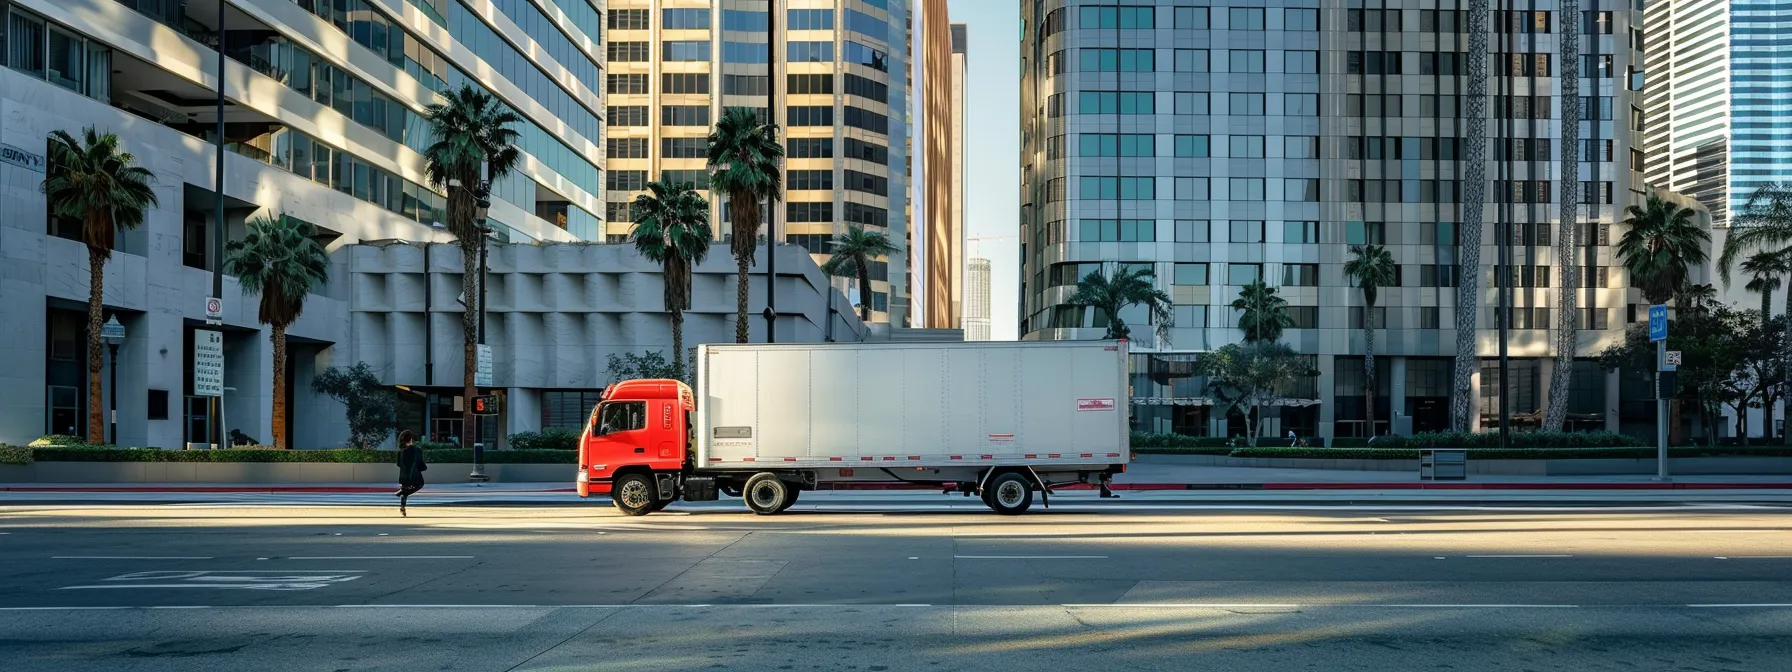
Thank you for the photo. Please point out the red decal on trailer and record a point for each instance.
(1001, 437)
(986, 457)
(1032, 456)
(1051, 456)
(957, 457)
(1102, 404)
(914, 457)
(1113, 454)
(1088, 454)
(837, 459)
(789, 459)
(889, 459)
(746, 459)
(867, 459)
(715, 459)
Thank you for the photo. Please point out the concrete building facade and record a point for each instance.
(1222, 145)
(976, 301)
(841, 70)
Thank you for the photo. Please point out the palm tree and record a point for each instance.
(853, 252)
(472, 132)
(1371, 267)
(672, 229)
(1662, 245)
(1698, 298)
(91, 181)
(1764, 270)
(743, 155)
(1765, 224)
(282, 261)
(1474, 198)
(1567, 327)
(1110, 295)
(1263, 315)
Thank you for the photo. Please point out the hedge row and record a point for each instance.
(1511, 453)
(1423, 440)
(344, 456)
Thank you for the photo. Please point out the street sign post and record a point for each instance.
(1664, 379)
(208, 363)
(482, 370)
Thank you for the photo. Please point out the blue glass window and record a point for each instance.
(809, 19)
(684, 19)
(868, 26)
(740, 19)
(866, 56)
(743, 52)
(685, 51)
(814, 52)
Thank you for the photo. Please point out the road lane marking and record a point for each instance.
(1029, 557)
(1182, 605)
(239, 580)
(1752, 557)
(131, 557)
(1475, 606)
(380, 557)
(1522, 555)
(1741, 606)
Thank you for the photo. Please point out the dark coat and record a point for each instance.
(411, 466)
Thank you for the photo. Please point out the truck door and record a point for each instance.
(618, 435)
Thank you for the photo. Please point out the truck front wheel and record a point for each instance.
(767, 494)
(1009, 494)
(633, 494)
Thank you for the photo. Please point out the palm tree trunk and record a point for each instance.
(469, 328)
(678, 341)
(1555, 413)
(1474, 196)
(1369, 386)
(281, 440)
(864, 292)
(740, 300)
(96, 405)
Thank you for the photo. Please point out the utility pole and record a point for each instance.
(216, 409)
(771, 202)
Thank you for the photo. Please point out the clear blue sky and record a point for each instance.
(992, 149)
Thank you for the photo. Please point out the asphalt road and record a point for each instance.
(1323, 588)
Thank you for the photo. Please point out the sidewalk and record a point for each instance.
(1143, 483)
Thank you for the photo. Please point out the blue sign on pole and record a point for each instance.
(1658, 323)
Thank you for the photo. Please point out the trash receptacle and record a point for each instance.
(1443, 464)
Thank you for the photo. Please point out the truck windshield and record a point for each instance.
(620, 416)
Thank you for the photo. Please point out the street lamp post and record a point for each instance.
(113, 333)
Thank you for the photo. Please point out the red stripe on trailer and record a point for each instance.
(715, 459)
(914, 457)
(957, 457)
(1032, 456)
(789, 459)
(835, 459)
(1113, 454)
(986, 457)
(746, 459)
(1088, 454)
(867, 459)
(889, 459)
(1051, 456)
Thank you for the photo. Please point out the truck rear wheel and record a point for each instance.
(767, 494)
(1009, 494)
(633, 494)
(791, 500)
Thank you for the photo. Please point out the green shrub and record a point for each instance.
(1181, 450)
(55, 440)
(1517, 440)
(438, 445)
(1155, 440)
(552, 438)
(14, 454)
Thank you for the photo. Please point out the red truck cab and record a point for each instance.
(639, 425)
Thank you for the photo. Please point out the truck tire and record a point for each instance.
(1010, 494)
(791, 500)
(633, 494)
(766, 494)
(659, 505)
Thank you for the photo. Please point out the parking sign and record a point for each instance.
(1658, 323)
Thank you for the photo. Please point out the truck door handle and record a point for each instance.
(640, 450)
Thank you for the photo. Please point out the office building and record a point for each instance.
(675, 65)
(957, 234)
(1219, 146)
(1713, 74)
(936, 248)
(976, 300)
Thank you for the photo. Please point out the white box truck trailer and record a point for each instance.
(1003, 421)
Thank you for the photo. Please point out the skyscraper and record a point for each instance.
(1713, 102)
(842, 95)
(1222, 146)
(976, 301)
(957, 232)
(936, 243)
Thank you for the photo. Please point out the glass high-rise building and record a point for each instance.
(841, 70)
(1715, 74)
(1223, 145)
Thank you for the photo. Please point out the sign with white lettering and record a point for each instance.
(482, 370)
(21, 158)
(208, 363)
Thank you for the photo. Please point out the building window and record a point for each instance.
(568, 410)
(1189, 274)
(1437, 276)
(1372, 20)
(1244, 18)
(1191, 231)
(1117, 188)
(683, 148)
(1300, 233)
(1191, 18)
(636, 84)
(626, 180)
(800, 19)
(686, 82)
(1246, 146)
(628, 52)
(744, 85)
(822, 211)
(1121, 102)
(1437, 233)
(859, 54)
(865, 151)
(628, 19)
(1192, 189)
(810, 180)
(685, 51)
(1365, 233)
(1245, 60)
(1243, 274)
(626, 115)
(1300, 275)
(1192, 146)
(1303, 317)
(1246, 105)
(868, 89)
(1356, 317)
(1245, 189)
(1300, 189)
(744, 52)
(816, 115)
(868, 183)
(1118, 17)
(1191, 60)
(684, 115)
(1117, 230)
(1428, 318)
(812, 148)
(868, 26)
(627, 148)
(1246, 231)
(867, 120)
(1116, 60)
(811, 52)
(1300, 62)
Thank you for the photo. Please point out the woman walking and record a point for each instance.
(410, 469)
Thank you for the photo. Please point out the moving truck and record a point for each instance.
(1003, 421)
